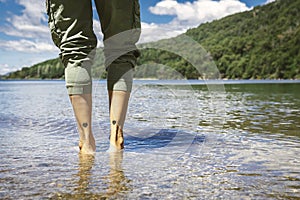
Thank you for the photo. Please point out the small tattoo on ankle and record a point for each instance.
(114, 122)
(85, 125)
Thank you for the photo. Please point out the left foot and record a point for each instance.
(88, 146)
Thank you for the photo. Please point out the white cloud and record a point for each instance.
(187, 15)
(27, 46)
(153, 32)
(269, 1)
(5, 68)
(31, 40)
(192, 14)
(31, 23)
(97, 31)
(32, 29)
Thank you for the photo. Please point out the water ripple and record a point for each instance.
(173, 147)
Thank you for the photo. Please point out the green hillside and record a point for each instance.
(54, 69)
(263, 43)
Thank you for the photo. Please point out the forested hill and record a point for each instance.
(263, 43)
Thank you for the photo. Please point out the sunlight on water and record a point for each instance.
(172, 148)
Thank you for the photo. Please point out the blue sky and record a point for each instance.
(25, 38)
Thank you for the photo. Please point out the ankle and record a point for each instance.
(116, 137)
(88, 146)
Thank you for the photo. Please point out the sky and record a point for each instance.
(25, 38)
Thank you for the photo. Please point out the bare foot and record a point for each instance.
(87, 146)
(116, 139)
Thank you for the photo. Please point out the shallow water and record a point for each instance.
(238, 141)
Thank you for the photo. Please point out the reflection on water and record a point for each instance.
(269, 109)
(115, 181)
(173, 149)
(257, 108)
(85, 164)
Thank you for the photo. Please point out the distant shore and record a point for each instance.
(180, 82)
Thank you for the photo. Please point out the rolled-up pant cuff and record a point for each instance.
(120, 77)
(78, 78)
(73, 90)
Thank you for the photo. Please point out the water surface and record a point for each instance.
(182, 141)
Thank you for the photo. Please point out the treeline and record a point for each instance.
(50, 69)
(54, 69)
(263, 43)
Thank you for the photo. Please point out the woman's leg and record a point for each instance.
(82, 106)
(71, 25)
(120, 23)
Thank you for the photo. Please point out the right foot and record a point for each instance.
(80, 144)
(116, 139)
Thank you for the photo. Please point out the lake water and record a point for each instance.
(184, 140)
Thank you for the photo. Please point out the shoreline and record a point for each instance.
(179, 82)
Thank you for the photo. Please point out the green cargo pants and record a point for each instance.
(71, 26)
